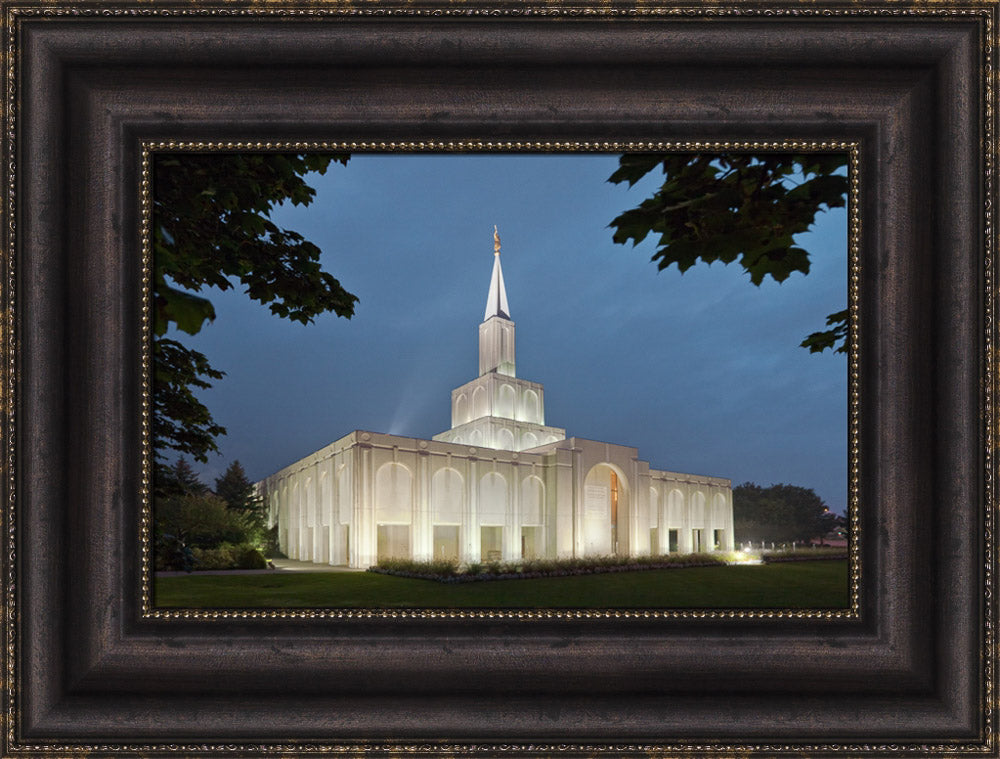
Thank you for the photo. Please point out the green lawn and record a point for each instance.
(805, 584)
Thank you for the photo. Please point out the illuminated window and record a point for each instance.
(614, 512)
(614, 498)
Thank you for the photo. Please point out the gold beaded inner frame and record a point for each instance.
(850, 148)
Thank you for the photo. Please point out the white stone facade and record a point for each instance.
(499, 484)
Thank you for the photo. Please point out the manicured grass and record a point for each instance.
(807, 584)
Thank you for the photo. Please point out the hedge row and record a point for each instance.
(451, 572)
(810, 556)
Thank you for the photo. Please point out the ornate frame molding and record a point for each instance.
(103, 688)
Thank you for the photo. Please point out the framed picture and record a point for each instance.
(588, 486)
(97, 93)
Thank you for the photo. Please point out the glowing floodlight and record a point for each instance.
(742, 558)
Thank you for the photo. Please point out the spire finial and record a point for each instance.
(496, 301)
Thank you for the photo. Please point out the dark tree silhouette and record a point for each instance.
(237, 491)
(779, 513)
(211, 228)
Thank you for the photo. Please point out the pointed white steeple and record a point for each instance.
(496, 333)
(496, 301)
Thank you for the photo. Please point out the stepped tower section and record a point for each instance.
(498, 409)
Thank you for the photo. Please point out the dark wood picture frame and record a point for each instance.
(87, 671)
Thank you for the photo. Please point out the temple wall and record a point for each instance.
(372, 495)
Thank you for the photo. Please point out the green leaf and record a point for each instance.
(835, 338)
(212, 228)
(733, 207)
(634, 166)
(189, 312)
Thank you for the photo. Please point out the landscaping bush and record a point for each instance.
(201, 521)
(272, 549)
(451, 571)
(249, 557)
(220, 557)
(228, 556)
(199, 532)
(171, 554)
(805, 554)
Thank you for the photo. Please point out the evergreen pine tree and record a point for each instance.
(236, 490)
(188, 479)
(179, 479)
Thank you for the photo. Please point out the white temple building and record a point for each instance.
(500, 484)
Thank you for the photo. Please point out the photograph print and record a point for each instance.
(500, 380)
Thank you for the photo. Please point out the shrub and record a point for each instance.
(450, 571)
(201, 521)
(171, 554)
(811, 551)
(228, 556)
(220, 557)
(443, 567)
(272, 549)
(249, 557)
(404, 565)
(800, 554)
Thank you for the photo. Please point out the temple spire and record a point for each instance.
(496, 301)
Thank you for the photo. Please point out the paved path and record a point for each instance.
(291, 565)
(280, 566)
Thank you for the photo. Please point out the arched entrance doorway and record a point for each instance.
(605, 511)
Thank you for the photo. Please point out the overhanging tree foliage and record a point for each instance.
(736, 207)
(211, 228)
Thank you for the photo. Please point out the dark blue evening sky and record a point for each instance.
(702, 372)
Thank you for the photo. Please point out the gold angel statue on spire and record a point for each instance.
(496, 241)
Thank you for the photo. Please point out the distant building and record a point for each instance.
(500, 484)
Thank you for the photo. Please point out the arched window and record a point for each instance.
(393, 494)
(505, 440)
(479, 406)
(461, 409)
(675, 508)
(447, 497)
(698, 510)
(532, 500)
(654, 508)
(505, 402)
(309, 493)
(529, 407)
(325, 498)
(529, 440)
(293, 505)
(605, 511)
(492, 499)
(294, 523)
(345, 500)
(720, 512)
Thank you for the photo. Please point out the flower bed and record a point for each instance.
(451, 572)
(805, 554)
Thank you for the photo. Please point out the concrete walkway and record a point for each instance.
(280, 566)
(291, 565)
